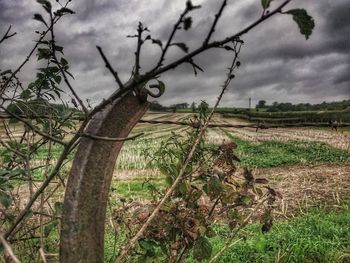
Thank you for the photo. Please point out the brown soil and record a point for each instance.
(308, 186)
(302, 187)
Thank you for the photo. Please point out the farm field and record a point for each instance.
(309, 156)
(310, 167)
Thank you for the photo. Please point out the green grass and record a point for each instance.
(272, 153)
(320, 236)
(136, 189)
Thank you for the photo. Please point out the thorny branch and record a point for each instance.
(110, 68)
(61, 69)
(217, 17)
(132, 242)
(185, 59)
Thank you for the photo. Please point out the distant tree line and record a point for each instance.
(156, 106)
(282, 107)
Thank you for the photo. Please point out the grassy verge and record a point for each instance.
(320, 236)
(272, 153)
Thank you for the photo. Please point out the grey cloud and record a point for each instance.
(277, 63)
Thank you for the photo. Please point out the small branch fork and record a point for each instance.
(7, 35)
(132, 242)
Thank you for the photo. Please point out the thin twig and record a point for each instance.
(42, 255)
(7, 35)
(217, 17)
(94, 137)
(110, 68)
(138, 50)
(12, 150)
(62, 70)
(8, 249)
(172, 34)
(14, 73)
(33, 128)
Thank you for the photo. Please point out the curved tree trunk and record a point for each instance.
(83, 220)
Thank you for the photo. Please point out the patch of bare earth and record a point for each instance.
(303, 187)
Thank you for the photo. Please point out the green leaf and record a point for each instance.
(57, 79)
(64, 62)
(266, 3)
(304, 21)
(58, 208)
(5, 199)
(46, 5)
(187, 23)
(26, 94)
(202, 249)
(182, 46)
(64, 10)
(28, 213)
(44, 53)
(260, 245)
(214, 187)
(161, 87)
(39, 17)
(59, 49)
(48, 228)
(158, 42)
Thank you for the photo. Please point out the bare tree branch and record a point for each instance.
(153, 73)
(110, 68)
(217, 17)
(7, 35)
(61, 69)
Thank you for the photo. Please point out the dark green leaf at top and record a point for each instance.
(305, 22)
(266, 3)
(46, 5)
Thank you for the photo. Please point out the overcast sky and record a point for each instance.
(278, 64)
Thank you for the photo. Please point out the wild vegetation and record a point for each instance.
(199, 192)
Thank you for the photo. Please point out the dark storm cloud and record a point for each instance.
(277, 63)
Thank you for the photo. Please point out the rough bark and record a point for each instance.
(83, 222)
